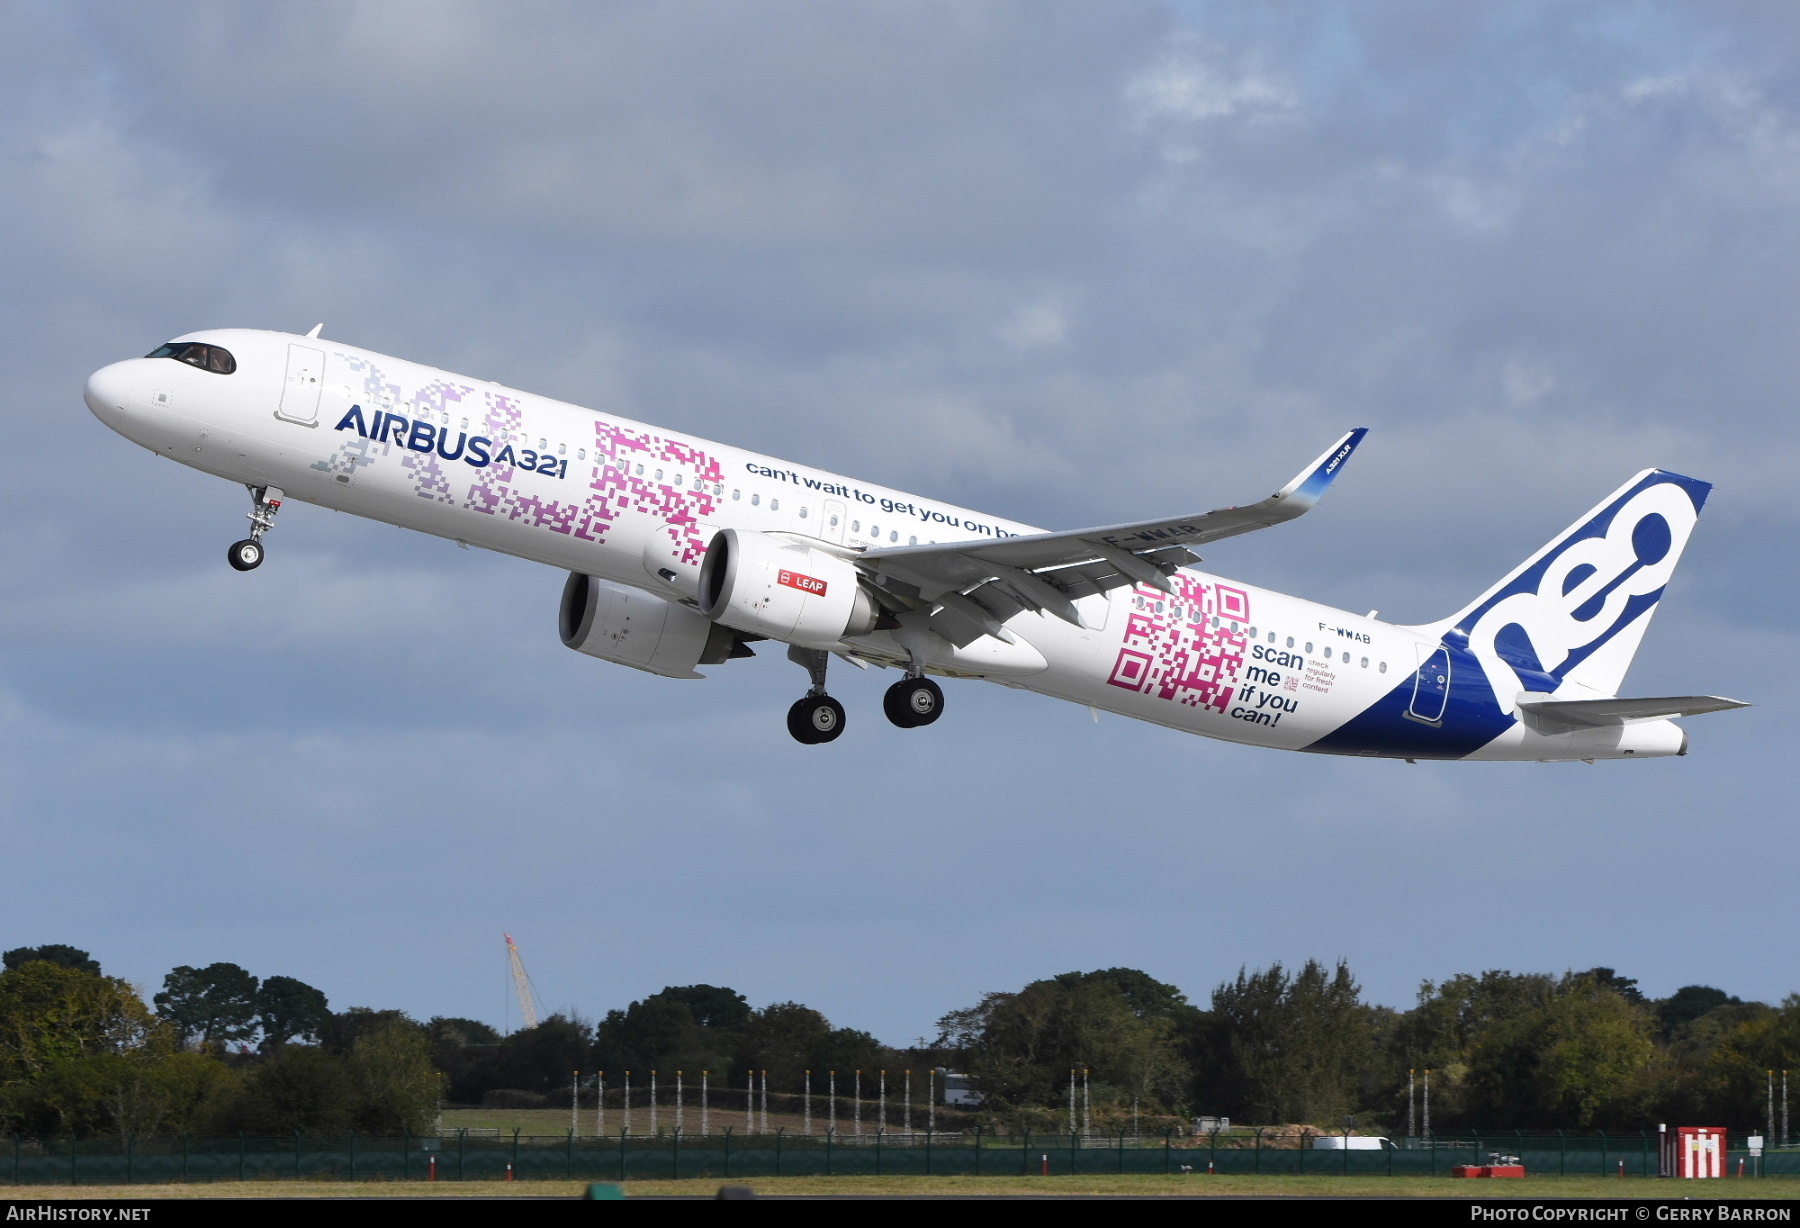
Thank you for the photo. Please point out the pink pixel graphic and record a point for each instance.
(630, 470)
(1183, 646)
(638, 470)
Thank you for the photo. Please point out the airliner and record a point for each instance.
(683, 553)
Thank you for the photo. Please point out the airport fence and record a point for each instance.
(466, 1157)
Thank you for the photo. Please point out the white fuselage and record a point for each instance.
(586, 492)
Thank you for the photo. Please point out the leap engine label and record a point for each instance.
(805, 583)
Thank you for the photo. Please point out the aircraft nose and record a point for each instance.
(109, 390)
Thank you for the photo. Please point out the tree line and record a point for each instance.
(82, 1053)
(1583, 1050)
(218, 1051)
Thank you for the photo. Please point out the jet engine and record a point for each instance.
(641, 630)
(783, 590)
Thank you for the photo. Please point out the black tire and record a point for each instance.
(816, 719)
(245, 555)
(913, 702)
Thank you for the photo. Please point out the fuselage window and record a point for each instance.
(464, 426)
(1365, 663)
(834, 522)
(659, 475)
(1308, 645)
(214, 358)
(542, 445)
(1290, 641)
(912, 541)
(580, 453)
(803, 513)
(678, 479)
(755, 500)
(894, 535)
(856, 526)
(875, 531)
(1252, 633)
(1384, 667)
(640, 471)
(1272, 639)
(774, 505)
(737, 494)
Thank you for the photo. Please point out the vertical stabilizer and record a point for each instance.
(1573, 614)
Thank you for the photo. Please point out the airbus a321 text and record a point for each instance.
(683, 553)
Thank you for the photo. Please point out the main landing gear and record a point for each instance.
(247, 555)
(913, 701)
(818, 717)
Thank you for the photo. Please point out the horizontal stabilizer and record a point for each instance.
(1598, 712)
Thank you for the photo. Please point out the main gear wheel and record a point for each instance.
(912, 702)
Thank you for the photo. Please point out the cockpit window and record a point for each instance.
(198, 354)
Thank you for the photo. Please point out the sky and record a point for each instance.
(1073, 263)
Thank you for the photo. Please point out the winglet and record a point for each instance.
(314, 334)
(1310, 483)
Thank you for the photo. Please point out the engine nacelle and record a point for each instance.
(640, 629)
(784, 590)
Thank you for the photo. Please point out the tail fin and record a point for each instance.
(1573, 614)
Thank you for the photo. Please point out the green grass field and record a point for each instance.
(1189, 1185)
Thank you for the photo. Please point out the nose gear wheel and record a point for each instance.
(246, 555)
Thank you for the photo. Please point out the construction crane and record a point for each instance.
(521, 983)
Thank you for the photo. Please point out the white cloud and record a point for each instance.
(1192, 83)
(1042, 323)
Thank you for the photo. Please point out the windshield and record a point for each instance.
(197, 354)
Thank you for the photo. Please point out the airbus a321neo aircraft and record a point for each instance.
(682, 553)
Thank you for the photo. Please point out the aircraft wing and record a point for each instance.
(974, 586)
(1599, 712)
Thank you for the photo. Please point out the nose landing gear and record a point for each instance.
(247, 555)
(818, 717)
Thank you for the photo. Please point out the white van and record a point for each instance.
(1355, 1142)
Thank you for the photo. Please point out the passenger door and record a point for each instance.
(305, 380)
(1431, 686)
